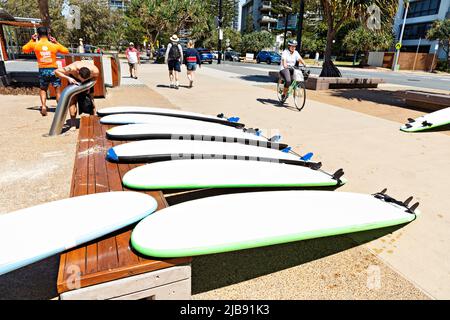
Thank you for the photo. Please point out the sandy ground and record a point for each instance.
(410, 263)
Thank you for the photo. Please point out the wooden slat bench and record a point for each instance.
(108, 268)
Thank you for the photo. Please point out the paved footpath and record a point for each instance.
(372, 151)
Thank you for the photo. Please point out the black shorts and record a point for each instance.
(174, 65)
(85, 102)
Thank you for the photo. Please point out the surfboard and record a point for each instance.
(35, 233)
(170, 122)
(207, 173)
(248, 220)
(429, 121)
(232, 122)
(161, 150)
(222, 134)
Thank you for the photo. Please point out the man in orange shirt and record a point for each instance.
(46, 47)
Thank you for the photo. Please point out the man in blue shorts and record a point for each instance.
(173, 58)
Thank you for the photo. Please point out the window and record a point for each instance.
(416, 30)
(423, 8)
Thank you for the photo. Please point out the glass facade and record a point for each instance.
(416, 30)
(423, 8)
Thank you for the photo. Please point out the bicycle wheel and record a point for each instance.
(299, 95)
(280, 86)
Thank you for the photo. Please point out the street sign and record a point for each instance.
(398, 46)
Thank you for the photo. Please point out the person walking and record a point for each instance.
(192, 59)
(173, 58)
(45, 48)
(133, 57)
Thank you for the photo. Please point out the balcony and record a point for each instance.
(265, 6)
(267, 19)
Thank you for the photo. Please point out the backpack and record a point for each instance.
(174, 53)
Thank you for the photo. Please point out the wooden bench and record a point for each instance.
(325, 83)
(426, 100)
(108, 268)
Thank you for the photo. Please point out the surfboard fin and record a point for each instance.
(413, 207)
(426, 124)
(411, 120)
(316, 166)
(234, 119)
(255, 131)
(307, 156)
(338, 175)
(383, 196)
(286, 150)
(407, 201)
(407, 125)
(220, 115)
(275, 138)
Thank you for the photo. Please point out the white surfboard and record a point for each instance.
(167, 112)
(207, 173)
(428, 121)
(169, 122)
(35, 233)
(160, 150)
(247, 220)
(221, 134)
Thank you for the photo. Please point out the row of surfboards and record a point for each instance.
(213, 152)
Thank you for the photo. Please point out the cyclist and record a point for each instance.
(289, 58)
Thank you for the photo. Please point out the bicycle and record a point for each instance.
(297, 88)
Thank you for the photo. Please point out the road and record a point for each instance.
(430, 81)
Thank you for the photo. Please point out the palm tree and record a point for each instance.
(45, 15)
(337, 12)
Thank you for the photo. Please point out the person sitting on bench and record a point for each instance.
(76, 73)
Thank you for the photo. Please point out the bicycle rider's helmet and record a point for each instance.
(292, 43)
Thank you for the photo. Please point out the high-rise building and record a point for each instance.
(420, 17)
(118, 4)
(259, 14)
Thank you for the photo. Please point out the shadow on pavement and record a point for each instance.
(277, 104)
(219, 270)
(36, 281)
(374, 95)
(38, 108)
(257, 78)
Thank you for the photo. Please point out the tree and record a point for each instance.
(257, 41)
(441, 31)
(337, 12)
(228, 33)
(45, 15)
(363, 40)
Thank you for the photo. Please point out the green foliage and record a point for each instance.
(228, 33)
(256, 41)
(441, 31)
(364, 40)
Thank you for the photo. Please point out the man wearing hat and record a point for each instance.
(174, 56)
(133, 58)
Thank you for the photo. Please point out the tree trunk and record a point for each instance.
(328, 68)
(45, 16)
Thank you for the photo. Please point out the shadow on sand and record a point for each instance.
(257, 78)
(278, 104)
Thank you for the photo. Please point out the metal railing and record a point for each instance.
(63, 105)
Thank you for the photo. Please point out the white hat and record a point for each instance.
(174, 38)
(131, 44)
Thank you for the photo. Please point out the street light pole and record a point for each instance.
(219, 45)
(397, 54)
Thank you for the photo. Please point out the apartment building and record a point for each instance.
(420, 17)
(259, 13)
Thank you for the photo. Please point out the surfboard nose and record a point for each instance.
(111, 155)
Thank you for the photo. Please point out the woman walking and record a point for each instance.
(192, 58)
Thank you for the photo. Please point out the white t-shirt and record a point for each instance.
(132, 57)
(290, 58)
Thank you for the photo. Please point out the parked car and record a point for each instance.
(232, 56)
(215, 54)
(268, 57)
(205, 55)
